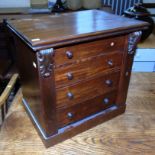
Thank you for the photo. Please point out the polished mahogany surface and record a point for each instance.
(79, 75)
(63, 27)
(89, 49)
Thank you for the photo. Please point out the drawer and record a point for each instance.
(87, 89)
(80, 71)
(4, 53)
(74, 53)
(72, 114)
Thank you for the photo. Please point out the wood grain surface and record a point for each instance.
(87, 89)
(74, 113)
(128, 134)
(90, 67)
(89, 49)
(50, 30)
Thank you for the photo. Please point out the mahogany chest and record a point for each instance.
(74, 69)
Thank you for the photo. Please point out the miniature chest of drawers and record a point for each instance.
(74, 69)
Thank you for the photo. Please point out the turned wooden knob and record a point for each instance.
(70, 76)
(69, 54)
(106, 100)
(109, 82)
(70, 95)
(110, 63)
(69, 115)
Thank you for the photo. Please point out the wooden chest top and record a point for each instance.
(62, 28)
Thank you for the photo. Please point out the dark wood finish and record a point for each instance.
(92, 66)
(87, 89)
(4, 66)
(37, 89)
(7, 55)
(47, 88)
(90, 49)
(64, 29)
(84, 109)
(5, 59)
(69, 67)
(7, 46)
(131, 42)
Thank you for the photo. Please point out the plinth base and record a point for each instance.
(75, 128)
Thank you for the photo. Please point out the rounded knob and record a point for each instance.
(112, 44)
(108, 82)
(69, 54)
(110, 63)
(70, 76)
(106, 100)
(69, 115)
(70, 95)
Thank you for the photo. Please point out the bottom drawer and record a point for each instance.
(72, 114)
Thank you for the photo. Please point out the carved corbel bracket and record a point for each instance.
(45, 62)
(134, 38)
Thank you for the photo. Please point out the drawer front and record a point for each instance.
(74, 53)
(92, 67)
(87, 89)
(72, 114)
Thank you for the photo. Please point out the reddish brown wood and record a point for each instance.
(87, 89)
(5, 53)
(47, 90)
(37, 90)
(68, 67)
(86, 68)
(131, 42)
(89, 49)
(84, 109)
(74, 129)
(58, 29)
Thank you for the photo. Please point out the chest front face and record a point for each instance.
(75, 81)
(89, 77)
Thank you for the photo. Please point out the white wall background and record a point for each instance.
(14, 3)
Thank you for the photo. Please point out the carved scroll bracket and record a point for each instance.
(45, 62)
(134, 38)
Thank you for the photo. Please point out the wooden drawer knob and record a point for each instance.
(70, 76)
(110, 63)
(69, 54)
(70, 115)
(109, 82)
(106, 101)
(70, 95)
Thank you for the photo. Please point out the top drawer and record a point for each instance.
(73, 53)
